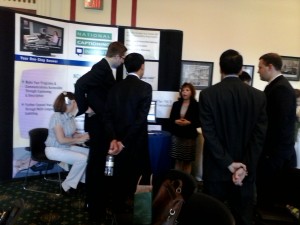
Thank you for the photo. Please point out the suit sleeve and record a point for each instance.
(80, 95)
(173, 115)
(221, 156)
(92, 88)
(256, 142)
(141, 118)
(280, 130)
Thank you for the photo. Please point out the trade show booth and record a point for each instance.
(41, 57)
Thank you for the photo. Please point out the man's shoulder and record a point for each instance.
(255, 90)
(138, 81)
(258, 94)
(282, 84)
(214, 88)
(99, 69)
(147, 85)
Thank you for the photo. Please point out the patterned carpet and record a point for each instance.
(43, 208)
(52, 209)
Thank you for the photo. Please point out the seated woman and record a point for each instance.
(62, 140)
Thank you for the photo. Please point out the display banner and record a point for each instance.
(50, 55)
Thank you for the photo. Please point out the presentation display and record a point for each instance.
(40, 38)
(50, 55)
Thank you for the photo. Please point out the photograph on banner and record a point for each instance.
(40, 40)
(77, 44)
(145, 42)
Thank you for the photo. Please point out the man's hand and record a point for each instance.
(236, 165)
(115, 147)
(238, 176)
(239, 172)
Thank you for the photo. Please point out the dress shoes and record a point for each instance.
(70, 192)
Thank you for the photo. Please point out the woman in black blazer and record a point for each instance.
(184, 119)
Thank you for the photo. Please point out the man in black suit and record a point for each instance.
(91, 92)
(234, 122)
(128, 104)
(279, 154)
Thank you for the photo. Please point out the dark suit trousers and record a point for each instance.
(239, 199)
(271, 173)
(97, 198)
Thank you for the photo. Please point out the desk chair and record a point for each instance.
(203, 209)
(37, 138)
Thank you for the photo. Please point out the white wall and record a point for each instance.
(253, 27)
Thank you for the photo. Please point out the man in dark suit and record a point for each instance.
(91, 92)
(234, 121)
(128, 104)
(279, 154)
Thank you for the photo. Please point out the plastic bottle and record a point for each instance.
(3, 217)
(109, 166)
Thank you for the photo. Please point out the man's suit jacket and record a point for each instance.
(128, 104)
(281, 110)
(92, 88)
(234, 121)
(91, 91)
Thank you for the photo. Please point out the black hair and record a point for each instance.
(231, 62)
(133, 62)
(244, 76)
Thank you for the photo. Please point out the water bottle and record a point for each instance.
(109, 166)
(3, 217)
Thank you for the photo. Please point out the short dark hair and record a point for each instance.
(133, 62)
(272, 58)
(244, 76)
(116, 48)
(191, 87)
(231, 62)
(60, 103)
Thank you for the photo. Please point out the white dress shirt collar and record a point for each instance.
(134, 74)
(274, 78)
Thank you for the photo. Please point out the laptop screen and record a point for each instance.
(151, 118)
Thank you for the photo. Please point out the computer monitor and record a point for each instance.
(40, 38)
(151, 118)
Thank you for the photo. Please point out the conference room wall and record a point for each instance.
(252, 27)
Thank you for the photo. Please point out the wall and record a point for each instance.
(252, 27)
(93, 15)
